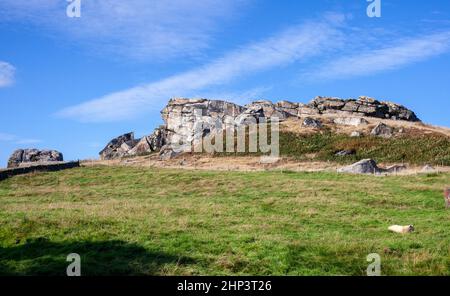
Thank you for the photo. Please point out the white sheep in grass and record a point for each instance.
(401, 229)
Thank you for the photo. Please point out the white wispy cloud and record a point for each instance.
(157, 29)
(10, 138)
(28, 141)
(397, 54)
(6, 137)
(7, 72)
(294, 44)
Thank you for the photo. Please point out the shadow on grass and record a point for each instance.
(43, 257)
(320, 260)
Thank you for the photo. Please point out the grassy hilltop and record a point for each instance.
(417, 144)
(128, 220)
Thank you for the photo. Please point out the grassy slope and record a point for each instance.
(417, 149)
(144, 221)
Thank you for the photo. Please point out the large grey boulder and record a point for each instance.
(127, 145)
(382, 130)
(22, 157)
(118, 147)
(167, 152)
(304, 109)
(326, 103)
(291, 109)
(249, 116)
(312, 123)
(351, 121)
(345, 152)
(151, 143)
(365, 166)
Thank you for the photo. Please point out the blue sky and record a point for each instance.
(72, 84)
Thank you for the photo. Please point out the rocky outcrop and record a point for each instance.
(268, 109)
(118, 147)
(249, 116)
(363, 106)
(23, 157)
(150, 143)
(288, 107)
(365, 166)
(127, 145)
(188, 120)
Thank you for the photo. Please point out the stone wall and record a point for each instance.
(49, 167)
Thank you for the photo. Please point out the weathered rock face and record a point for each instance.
(249, 116)
(118, 147)
(127, 145)
(288, 107)
(188, 120)
(27, 156)
(268, 109)
(382, 130)
(365, 166)
(153, 142)
(353, 121)
(364, 106)
(312, 123)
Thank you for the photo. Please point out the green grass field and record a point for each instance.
(125, 220)
(412, 149)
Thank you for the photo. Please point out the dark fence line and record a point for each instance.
(38, 168)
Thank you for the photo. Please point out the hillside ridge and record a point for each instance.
(182, 116)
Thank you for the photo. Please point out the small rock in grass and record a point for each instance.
(353, 121)
(382, 130)
(428, 169)
(345, 152)
(365, 166)
(396, 168)
(311, 122)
